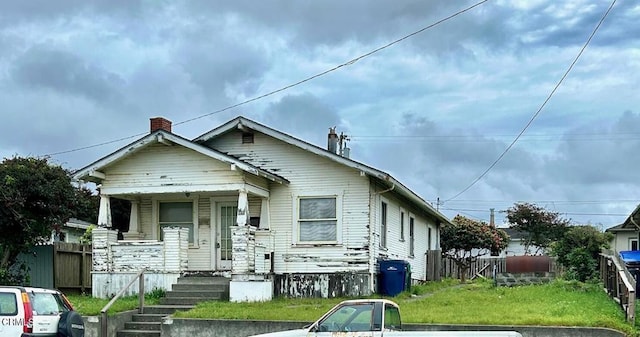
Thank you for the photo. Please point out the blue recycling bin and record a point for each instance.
(631, 259)
(393, 277)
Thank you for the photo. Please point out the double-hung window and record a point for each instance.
(401, 225)
(317, 219)
(411, 236)
(383, 225)
(176, 214)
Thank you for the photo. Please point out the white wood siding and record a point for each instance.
(161, 165)
(398, 249)
(308, 175)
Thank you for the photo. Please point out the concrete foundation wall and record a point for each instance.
(518, 279)
(333, 285)
(114, 323)
(172, 327)
(250, 291)
(107, 284)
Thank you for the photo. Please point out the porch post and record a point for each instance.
(264, 214)
(134, 222)
(104, 214)
(242, 239)
(243, 218)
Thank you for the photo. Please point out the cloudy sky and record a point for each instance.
(435, 110)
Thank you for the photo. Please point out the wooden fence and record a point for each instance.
(619, 283)
(481, 267)
(64, 266)
(438, 267)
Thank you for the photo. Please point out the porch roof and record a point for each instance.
(241, 123)
(92, 172)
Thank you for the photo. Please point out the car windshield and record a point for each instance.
(44, 303)
(354, 317)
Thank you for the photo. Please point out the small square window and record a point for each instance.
(247, 138)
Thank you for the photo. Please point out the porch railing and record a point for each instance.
(619, 283)
(103, 313)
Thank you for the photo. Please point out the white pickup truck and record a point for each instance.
(372, 318)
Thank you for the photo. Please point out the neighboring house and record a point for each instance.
(625, 235)
(70, 232)
(515, 247)
(276, 214)
(516, 243)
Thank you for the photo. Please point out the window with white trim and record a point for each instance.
(383, 225)
(401, 225)
(317, 219)
(176, 214)
(411, 236)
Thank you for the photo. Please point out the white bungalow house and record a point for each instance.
(277, 215)
(625, 235)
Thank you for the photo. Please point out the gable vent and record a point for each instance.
(247, 138)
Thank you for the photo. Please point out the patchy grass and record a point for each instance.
(559, 303)
(90, 306)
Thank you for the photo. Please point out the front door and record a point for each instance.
(227, 213)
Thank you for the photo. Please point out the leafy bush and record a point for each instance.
(578, 251)
(581, 265)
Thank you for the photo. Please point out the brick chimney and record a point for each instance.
(160, 123)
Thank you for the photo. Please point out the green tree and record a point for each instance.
(540, 227)
(464, 240)
(87, 205)
(35, 197)
(578, 251)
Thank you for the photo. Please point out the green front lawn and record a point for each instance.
(560, 303)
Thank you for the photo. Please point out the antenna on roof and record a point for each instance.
(344, 150)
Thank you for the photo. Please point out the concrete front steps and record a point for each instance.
(184, 295)
(194, 289)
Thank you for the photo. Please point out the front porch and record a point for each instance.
(116, 262)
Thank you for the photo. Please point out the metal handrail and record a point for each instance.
(103, 312)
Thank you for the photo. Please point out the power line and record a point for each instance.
(348, 63)
(535, 115)
(487, 138)
(566, 213)
(603, 201)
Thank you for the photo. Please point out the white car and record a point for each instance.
(37, 312)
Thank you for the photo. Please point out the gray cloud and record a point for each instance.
(434, 110)
(56, 70)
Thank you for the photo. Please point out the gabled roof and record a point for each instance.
(91, 172)
(77, 223)
(630, 224)
(241, 123)
(513, 233)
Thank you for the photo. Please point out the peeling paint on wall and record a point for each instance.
(322, 285)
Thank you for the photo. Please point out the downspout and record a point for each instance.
(373, 257)
(393, 186)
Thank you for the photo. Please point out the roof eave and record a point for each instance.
(88, 173)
